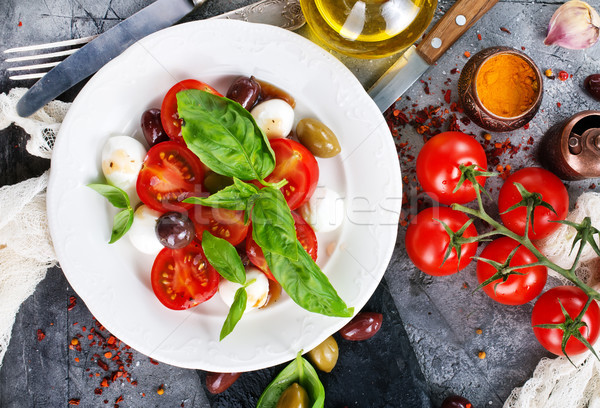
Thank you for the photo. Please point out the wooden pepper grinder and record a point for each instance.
(571, 149)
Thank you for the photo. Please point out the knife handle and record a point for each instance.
(461, 16)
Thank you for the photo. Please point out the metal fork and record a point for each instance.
(61, 49)
(284, 13)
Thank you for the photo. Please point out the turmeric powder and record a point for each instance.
(507, 85)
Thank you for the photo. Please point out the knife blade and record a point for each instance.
(413, 63)
(158, 15)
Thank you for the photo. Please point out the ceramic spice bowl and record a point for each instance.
(500, 89)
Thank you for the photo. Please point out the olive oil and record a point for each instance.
(368, 28)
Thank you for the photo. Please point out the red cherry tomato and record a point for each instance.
(169, 117)
(183, 278)
(170, 174)
(220, 222)
(547, 310)
(305, 235)
(438, 168)
(298, 166)
(535, 180)
(427, 241)
(517, 289)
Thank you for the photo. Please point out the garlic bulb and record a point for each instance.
(575, 25)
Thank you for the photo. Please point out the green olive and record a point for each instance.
(294, 397)
(215, 182)
(325, 355)
(317, 138)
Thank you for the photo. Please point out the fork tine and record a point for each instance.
(35, 66)
(65, 43)
(42, 56)
(27, 76)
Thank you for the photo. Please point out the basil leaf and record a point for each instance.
(235, 312)
(224, 135)
(301, 372)
(114, 195)
(235, 197)
(121, 224)
(224, 258)
(273, 226)
(306, 284)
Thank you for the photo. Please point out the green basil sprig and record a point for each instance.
(236, 311)
(298, 371)
(306, 284)
(118, 198)
(273, 226)
(224, 258)
(224, 135)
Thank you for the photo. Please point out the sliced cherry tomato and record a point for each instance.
(547, 310)
(305, 235)
(220, 222)
(168, 111)
(170, 174)
(438, 167)
(535, 180)
(519, 288)
(183, 278)
(427, 241)
(298, 166)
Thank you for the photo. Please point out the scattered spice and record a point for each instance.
(74, 341)
(549, 73)
(467, 54)
(447, 96)
(504, 29)
(481, 355)
(40, 335)
(479, 37)
(487, 136)
(74, 401)
(563, 75)
(479, 331)
(72, 303)
(20, 24)
(161, 389)
(153, 361)
(558, 104)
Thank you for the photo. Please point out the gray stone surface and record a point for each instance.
(439, 316)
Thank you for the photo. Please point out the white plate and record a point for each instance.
(114, 280)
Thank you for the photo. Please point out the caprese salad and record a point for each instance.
(227, 198)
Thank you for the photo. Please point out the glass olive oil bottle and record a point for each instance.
(368, 28)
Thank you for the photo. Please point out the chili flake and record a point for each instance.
(479, 37)
(563, 75)
(504, 29)
(467, 54)
(40, 335)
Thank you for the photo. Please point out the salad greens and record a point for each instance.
(301, 372)
(226, 138)
(119, 199)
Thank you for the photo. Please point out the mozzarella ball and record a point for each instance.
(275, 117)
(257, 291)
(142, 232)
(324, 211)
(122, 158)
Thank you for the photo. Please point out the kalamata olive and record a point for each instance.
(216, 383)
(214, 182)
(175, 230)
(294, 397)
(152, 127)
(455, 401)
(592, 84)
(244, 91)
(325, 355)
(362, 327)
(317, 138)
(270, 91)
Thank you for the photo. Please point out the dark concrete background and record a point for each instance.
(428, 346)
